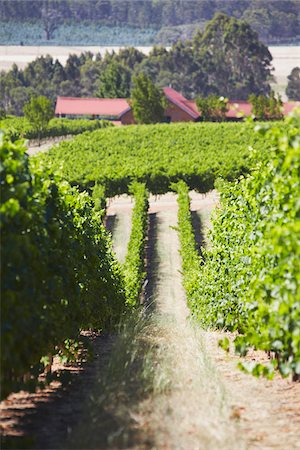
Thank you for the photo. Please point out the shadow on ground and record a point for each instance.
(198, 232)
(110, 223)
(152, 261)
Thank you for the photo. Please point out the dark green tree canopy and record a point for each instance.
(293, 87)
(147, 101)
(236, 62)
(114, 81)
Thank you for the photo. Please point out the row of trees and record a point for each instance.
(273, 20)
(227, 59)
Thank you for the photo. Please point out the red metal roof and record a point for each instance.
(290, 106)
(175, 97)
(112, 107)
(238, 109)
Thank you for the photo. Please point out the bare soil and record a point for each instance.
(45, 419)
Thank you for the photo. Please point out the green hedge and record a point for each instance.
(134, 266)
(191, 259)
(58, 271)
(16, 127)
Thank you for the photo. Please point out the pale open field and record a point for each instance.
(284, 58)
(22, 55)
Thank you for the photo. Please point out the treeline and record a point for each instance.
(273, 20)
(226, 59)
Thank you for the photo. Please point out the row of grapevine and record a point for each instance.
(16, 127)
(58, 272)
(190, 257)
(134, 266)
(250, 281)
(157, 155)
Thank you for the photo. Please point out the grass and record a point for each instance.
(133, 373)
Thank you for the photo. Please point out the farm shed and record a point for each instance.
(115, 109)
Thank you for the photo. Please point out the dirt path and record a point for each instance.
(211, 404)
(118, 222)
(192, 413)
(34, 148)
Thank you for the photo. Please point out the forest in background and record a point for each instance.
(275, 21)
(227, 59)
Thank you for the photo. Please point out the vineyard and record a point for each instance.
(60, 275)
(158, 155)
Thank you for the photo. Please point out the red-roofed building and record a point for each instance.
(178, 109)
(115, 109)
(238, 109)
(289, 107)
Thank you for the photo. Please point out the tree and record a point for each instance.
(51, 18)
(89, 78)
(39, 112)
(293, 87)
(115, 81)
(129, 57)
(236, 62)
(212, 108)
(147, 101)
(266, 108)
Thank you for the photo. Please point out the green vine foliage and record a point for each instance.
(250, 282)
(134, 266)
(191, 259)
(17, 127)
(58, 271)
(157, 155)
